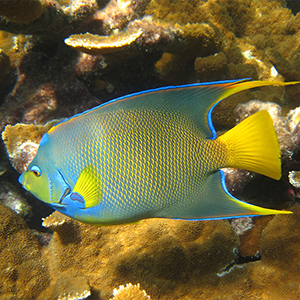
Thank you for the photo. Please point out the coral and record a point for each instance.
(10, 197)
(118, 13)
(171, 260)
(287, 69)
(159, 254)
(95, 44)
(4, 65)
(43, 237)
(294, 178)
(129, 292)
(280, 257)
(250, 239)
(52, 20)
(23, 272)
(71, 285)
(241, 225)
(210, 67)
(22, 141)
(236, 180)
(191, 39)
(174, 259)
(24, 11)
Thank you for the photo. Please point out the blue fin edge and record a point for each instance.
(209, 114)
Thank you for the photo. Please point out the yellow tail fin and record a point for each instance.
(253, 145)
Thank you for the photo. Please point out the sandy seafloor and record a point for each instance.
(51, 69)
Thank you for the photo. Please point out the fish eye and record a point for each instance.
(36, 171)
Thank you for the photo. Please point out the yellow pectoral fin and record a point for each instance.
(89, 187)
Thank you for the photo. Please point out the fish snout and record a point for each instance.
(22, 181)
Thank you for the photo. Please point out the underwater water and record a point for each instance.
(62, 57)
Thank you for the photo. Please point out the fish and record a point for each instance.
(153, 154)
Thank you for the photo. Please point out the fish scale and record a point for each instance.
(143, 149)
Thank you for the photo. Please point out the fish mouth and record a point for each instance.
(22, 182)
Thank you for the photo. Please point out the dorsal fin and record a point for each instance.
(195, 101)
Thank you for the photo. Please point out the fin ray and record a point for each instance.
(88, 187)
(253, 145)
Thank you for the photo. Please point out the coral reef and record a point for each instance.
(69, 285)
(159, 254)
(172, 259)
(207, 67)
(118, 13)
(294, 179)
(168, 42)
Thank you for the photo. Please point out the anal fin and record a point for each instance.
(216, 203)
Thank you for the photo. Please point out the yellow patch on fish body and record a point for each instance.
(153, 154)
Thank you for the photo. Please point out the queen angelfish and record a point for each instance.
(153, 154)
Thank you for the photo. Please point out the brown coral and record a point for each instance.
(211, 67)
(95, 44)
(23, 272)
(71, 285)
(21, 11)
(22, 141)
(160, 254)
(118, 13)
(129, 292)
